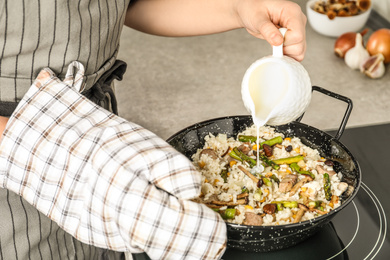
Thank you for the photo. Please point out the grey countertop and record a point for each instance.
(172, 83)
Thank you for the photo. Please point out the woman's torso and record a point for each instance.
(50, 33)
(53, 33)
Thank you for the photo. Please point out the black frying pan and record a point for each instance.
(270, 238)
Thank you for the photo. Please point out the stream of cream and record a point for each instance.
(267, 85)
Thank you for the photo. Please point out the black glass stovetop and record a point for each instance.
(360, 231)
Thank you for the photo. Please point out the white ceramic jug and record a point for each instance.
(276, 89)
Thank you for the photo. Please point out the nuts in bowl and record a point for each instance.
(341, 8)
(335, 17)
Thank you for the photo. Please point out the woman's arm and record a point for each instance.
(182, 17)
(260, 18)
(3, 123)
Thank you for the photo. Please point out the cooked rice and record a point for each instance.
(215, 188)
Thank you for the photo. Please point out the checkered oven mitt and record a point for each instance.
(106, 181)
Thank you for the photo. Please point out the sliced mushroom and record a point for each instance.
(212, 206)
(209, 152)
(343, 186)
(303, 195)
(349, 191)
(269, 208)
(229, 203)
(203, 199)
(279, 146)
(245, 148)
(321, 212)
(300, 184)
(301, 212)
(226, 152)
(253, 219)
(267, 150)
(321, 170)
(242, 195)
(247, 173)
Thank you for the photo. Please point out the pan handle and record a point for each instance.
(339, 97)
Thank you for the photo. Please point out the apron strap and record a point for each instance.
(74, 77)
(97, 93)
(7, 108)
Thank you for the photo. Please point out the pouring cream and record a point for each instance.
(276, 90)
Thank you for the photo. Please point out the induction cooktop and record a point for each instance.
(359, 231)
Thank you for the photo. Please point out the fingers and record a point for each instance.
(271, 33)
(295, 37)
(295, 45)
(294, 42)
(263, 20)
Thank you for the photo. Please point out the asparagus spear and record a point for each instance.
(273, 141)
(295, 167)
(328, 192)
(235, 156)
(286, 203)
(269, 162)
(290, 204)
(253, 139)
(289, 160)
(273, 177)
(314, 204)
(267, 182)
(224, 175)
(243, 157)
(247, 138)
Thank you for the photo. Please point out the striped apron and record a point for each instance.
(53, 33)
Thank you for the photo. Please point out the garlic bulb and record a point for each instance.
(356, 55)
(374, 66)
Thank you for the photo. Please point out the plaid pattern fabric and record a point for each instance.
(104, 180)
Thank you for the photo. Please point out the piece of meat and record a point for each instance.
(287, 183)
(245, 148)
(210, 152)
(253, 219)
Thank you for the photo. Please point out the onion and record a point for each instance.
(345, 42)
(379, 42)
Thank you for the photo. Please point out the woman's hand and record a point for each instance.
(263, 18)
(3, 123)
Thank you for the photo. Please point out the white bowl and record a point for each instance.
(339, 25)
